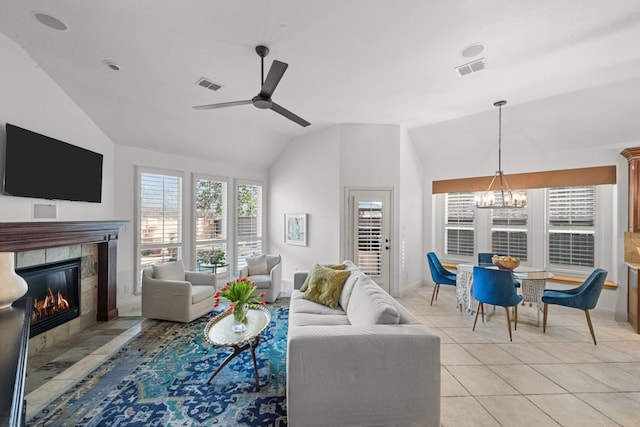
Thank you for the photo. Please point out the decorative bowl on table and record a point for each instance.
(505, 262)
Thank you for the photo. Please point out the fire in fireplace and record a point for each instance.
(50, 305)
(55, 289)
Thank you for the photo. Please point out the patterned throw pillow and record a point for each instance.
(305, 284)
(325, 286)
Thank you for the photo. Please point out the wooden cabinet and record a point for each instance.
(633, 157)
(633, 307)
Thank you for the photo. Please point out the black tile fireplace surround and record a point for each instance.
(27, 236)
(55, 291)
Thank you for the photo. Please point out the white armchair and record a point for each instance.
(266, 272)
(171, 293)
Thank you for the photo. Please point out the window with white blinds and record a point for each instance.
(370, 238)
(459, 223)
(571, 217)
(210, 222)
(160, 218)
(248, 221)
(509, 232)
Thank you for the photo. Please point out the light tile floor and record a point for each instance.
(557, 378)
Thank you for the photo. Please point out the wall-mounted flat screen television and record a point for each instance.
(43, 167)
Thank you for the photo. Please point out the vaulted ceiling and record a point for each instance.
(373, 61)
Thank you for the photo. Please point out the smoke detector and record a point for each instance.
(112, 65)
(49, 21)
(471, 67)
(474, 49)
(209, 84)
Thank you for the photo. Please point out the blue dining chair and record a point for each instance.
(584, 297)
(495, 287)
(439, 275)
(485, 260)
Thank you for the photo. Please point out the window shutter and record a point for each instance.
(210, 221)
(249, 221)
(571, 220)
(160, 209)
(508, 242)
(459, 217)
(460, 208)
(509, 232)
(211, 210)
(370, 238)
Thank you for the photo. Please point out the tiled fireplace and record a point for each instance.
(92, 247)
(55, 290)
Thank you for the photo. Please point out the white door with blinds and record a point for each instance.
(369, 242)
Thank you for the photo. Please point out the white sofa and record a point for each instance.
(367, 363)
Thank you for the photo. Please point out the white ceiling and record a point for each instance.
(366, 61)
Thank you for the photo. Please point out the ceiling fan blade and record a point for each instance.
(273, 78)
(289, 115)
(222, 105)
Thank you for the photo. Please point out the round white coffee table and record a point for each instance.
(219, 332)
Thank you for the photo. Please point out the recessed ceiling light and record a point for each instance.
(111, 64)
(50, 21)
(474, 49)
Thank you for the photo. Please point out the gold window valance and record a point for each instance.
(559, 178)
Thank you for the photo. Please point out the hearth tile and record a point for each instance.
(89, 265)
(90, 249)
(38, 399)
(57, 254)
(83, 367)
(30, 258)
(75, 251)
(112, 346)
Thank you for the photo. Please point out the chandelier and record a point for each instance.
(500, 196)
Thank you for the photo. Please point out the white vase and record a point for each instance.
(12, 286)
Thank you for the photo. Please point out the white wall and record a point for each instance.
(411, 255)
(126, 160)
(305, 179)
(31, 100)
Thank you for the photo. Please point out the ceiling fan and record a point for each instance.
(263, 99)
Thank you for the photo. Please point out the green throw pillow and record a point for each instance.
(305, 284)
(325, 286)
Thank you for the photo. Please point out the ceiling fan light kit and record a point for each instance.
(263, 99)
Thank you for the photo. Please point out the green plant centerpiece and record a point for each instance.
(242, 295)
(217, 257)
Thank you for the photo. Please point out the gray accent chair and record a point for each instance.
(266, 272)
(171, 293)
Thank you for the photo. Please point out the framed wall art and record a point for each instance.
(295, 229)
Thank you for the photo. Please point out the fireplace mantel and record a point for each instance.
(27, 236)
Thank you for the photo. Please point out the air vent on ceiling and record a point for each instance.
(471, 67)
(205, 82)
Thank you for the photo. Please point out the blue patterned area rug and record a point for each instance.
(160, 379)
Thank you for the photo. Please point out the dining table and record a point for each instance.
(532, 279)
